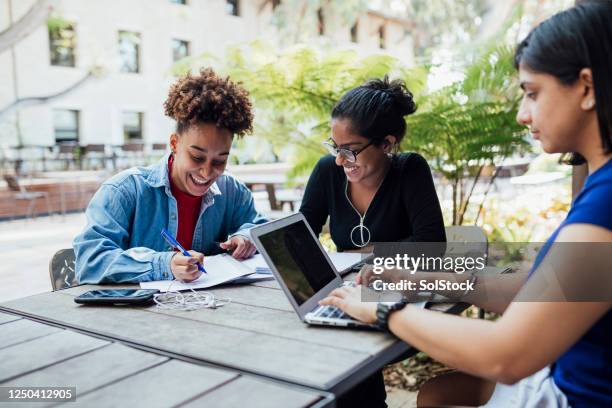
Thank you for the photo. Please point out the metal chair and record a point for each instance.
(472, 238)
(132, 154)
(62, 269)
(155, 151)
(94, 154)
(21, 194)
(69, 153)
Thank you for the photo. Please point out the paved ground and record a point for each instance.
(26, 247)
(397, 398)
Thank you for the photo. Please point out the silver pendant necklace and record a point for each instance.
(360, 234)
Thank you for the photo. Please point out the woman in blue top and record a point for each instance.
(186, 193)
(539, 353)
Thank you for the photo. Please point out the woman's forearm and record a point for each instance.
(495, 292)
(471, 345)
(492, 291)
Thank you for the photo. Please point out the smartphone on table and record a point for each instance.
(116, 296)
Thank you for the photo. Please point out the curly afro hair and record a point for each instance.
(208, 98)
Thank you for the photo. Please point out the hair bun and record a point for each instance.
(396, 89)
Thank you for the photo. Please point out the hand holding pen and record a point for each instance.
(186, 265)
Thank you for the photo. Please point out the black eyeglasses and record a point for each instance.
(346, 153)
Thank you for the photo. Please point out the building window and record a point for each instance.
(320, 22)
(354, 31)
(232, 7)
(62, 43)
(183, 2)
(132, 126)
(180, 50)
(66, 125)
(129, 52)
(381, 37)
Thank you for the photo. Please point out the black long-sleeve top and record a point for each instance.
(405, 207)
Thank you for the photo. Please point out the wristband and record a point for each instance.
(383, 310)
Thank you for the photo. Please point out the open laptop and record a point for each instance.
(303, 270)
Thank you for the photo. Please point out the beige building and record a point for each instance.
(133, 44)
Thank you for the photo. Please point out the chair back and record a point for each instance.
(13, 183)
(132, 147)
(62, 269)
(94, 148)
(471, 240)
(67, 148)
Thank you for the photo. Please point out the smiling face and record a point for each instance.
(200, 156)
(558, 115)
(371, 162)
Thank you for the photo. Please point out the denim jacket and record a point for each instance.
(122, 241)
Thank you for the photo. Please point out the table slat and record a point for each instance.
(259, 394)
(32, 355)
(267, 311)
(5, 318)
(21, 330)
(244, 294)
(287, 325)
(165, 385)
(91, 370)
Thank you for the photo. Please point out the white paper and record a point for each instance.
(220, 269)
(341, 261)
(344, 260)
(257, 263)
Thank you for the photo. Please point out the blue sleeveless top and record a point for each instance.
(584, 372)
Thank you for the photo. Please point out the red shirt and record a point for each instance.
(188, 207)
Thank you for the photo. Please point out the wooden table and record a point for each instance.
(258, 333)
(107, 373)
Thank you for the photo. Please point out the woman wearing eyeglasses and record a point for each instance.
(370, 193)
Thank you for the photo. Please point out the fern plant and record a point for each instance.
(469, 125)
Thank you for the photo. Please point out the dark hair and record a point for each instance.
(208, 98)
(577, 38)
(377, 109)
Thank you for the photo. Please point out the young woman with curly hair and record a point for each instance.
(186, 193)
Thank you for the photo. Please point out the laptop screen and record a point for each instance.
(298, 259)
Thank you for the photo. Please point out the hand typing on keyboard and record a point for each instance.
(348, 299)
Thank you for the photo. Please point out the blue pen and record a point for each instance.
(174, 243)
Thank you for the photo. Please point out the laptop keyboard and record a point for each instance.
(331, 312)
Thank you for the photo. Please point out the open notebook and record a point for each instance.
(224, 269)
(220, 269)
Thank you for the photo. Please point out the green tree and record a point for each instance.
(469, 125)
(438, 23)
(298, 20)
